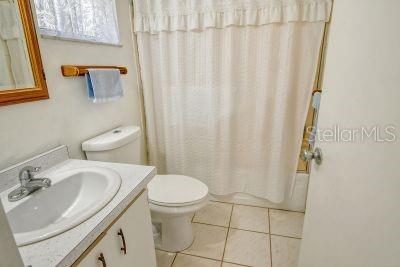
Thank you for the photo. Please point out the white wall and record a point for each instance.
(68, 117)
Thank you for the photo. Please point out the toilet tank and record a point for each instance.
(120, 145)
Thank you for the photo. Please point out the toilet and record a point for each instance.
(173, 199)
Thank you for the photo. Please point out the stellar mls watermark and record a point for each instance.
(337, 133)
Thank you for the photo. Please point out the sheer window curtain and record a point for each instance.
(88, 20)
(227, 105)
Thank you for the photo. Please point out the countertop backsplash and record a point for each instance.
(46, 160)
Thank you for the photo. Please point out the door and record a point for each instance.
(353, 208)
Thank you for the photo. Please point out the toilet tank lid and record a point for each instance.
(112, 139)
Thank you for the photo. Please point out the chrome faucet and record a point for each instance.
(29, 184)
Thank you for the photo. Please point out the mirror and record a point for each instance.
(15, 67)
(21, 72)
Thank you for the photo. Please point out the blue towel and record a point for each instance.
(104, 85)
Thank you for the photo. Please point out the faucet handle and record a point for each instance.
(35, 169)
(30, 169)
(25, 174)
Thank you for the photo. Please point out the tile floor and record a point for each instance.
(230, 235)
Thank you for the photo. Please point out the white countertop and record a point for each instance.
(64, 249)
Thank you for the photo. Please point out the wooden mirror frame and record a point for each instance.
(39, 91)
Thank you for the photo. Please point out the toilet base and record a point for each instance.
(173, 225)
(174, 233)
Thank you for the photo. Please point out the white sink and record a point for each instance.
(73, 197)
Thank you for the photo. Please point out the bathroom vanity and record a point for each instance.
(93, 214)
(126, 241)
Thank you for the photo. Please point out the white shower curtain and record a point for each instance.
(226, 94)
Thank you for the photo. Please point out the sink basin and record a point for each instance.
(75, 196)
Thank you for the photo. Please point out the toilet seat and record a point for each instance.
(176, 190)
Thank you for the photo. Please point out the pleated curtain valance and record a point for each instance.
(154, 16)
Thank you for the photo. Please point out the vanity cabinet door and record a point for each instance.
(128, 242)
(132, 236)
(98, 254)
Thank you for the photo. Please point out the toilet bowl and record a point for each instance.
(173, 200)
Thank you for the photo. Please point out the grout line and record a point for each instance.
(166, 251)
(172, 263)
(246, 230)
(236, 263)
(211, 224)
(227, 233)
(176, 253)
(270, 242)
(255, 206)
(286, 236)
(288, 210)
(253, 231)
(203, 257)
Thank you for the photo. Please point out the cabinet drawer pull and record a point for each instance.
(120, 233)
(102, 259)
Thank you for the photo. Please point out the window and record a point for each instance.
(88, 20)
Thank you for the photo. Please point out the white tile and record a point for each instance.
(250, 218)
(285, 251)
(164, 259)
(209, 241)
(286, 223)
(214, 213)
(248, 248)
(183, 260)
